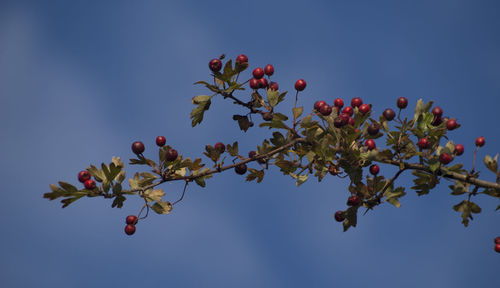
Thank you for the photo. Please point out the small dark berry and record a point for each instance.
(437, 111)
(241, 169)
(389, 114)
(402, 102)
(348, 110)
(451, 124)
(171, 155)
(252, 154)
(459, 149)
(339, 216)
(325, 110)
(138, 147)
(445, 158)
(338, 103)
(269, 70)
(364, 108)
(242, 58)
(267, 116)
(131, 219)
(370, 144)
(160, 141)
(258, 73)
(89, 184)
(130, 229)
(374, 169)
(274, 86)
(373, 129)
(220, 146)
(262, 83)
(215, 65)
(300, 85)
(356, 102)
(353, 200)
(480, 141)
(338, 122)
(254, 83)
(83, 176)
(437, 121)
(423, 143)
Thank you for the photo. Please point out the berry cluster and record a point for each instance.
(131, 221)
(85, 178)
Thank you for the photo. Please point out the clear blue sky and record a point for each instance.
(81, 80)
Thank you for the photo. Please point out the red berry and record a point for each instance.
(160, 141)
(242, 58)
(138, 147)
(338, 122)
(437, 111)
(262, 83)
(338, 103)
(273, 86)
(373, 129)
(219, 146)
(241, 169)
(300, 85)
(348, 110)
(497, 248)
(83, 176)
(89, 184)
(269, 70)
(131, 219)
(423, 143)
(356, 102)
(480, 141)
(459, 149)
(353, 200)
(402, 102)
(258, 73)
(389, 114)
(445, 158)
(451, 124)
(325, 110)
(318, 104)
(130, 229)
(350, 121)
(334, 170)
(364, 108)
(215, 65)
(252, 154)
(171, 154)
(497, 240)
(437, 121)
(370, 144)
(254, 83)
(345, 118)
(374, 169)
(339, 216)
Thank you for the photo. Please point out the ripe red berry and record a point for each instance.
(373, 129)
(445, 158)
(345, 118)
(370, 144)
(364, 108)
(258, 73)
(215, 65)
(356, 102)
(423, 143)
(374, 169)
(131, 219)
(220, 146)
(269, 70)
(451, 124)
(480, 141)
(254, 83)
(242, 58)
(138, 147)
(497, 248)
(437, 111)
(130, 229)
(497, 240)
(274, 86)
(353, 200)
(338, 103)
(262, 83)
(241, 169)
(437, 121)
(459, 149)
(160, 141)
(351, 121)
(402, 102)
(338, 122)
(325, 110)
(339, 216)
(171, 154)
(348, 110)
(252, 154)
(83, 176)
(389, 114)
(318, 104)
(89, 184)
(300, 85)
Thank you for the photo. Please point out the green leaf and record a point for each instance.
(198, 112)
(162, 207)
(118, 202)
(67, 187)
(200, 181)
(297, 112)
(275, 123)
(243, 122)
(233, 150)
(255, 174)
(272, 97)
(212, 88)
(351, 217)
(459, 188)
(392, 196)
(278, 139)
(467, 207)
(154, 195)
(491, 163)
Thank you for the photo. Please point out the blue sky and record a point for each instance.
(81, 80)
